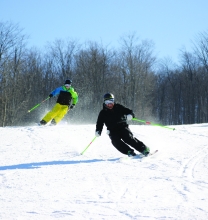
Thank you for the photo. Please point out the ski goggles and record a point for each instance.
(67, 85)
(110, 101)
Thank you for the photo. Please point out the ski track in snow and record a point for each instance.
(43, 175)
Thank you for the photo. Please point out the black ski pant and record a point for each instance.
(123, 139)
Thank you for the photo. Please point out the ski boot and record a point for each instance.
(146, 151)
(131, 153)
(53, 122)
(42, 122)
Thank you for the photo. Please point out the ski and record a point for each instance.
(139, 156)
(152, 153)
(149, 155)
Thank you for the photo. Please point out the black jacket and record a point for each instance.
(114, 119)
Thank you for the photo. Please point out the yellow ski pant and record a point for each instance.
(57, 113)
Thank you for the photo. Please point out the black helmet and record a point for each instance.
(108, 96)
(68, 81)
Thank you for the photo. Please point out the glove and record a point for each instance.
(97, 133)
(107, 132)
(72, 106)
(51, 95)
(129, 117)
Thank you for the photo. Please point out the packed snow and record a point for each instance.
(44, 176)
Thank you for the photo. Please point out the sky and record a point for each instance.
(171, 24)
(44, 176)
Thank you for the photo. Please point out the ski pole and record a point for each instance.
(150, 123)
(38, 105)
(88, 145)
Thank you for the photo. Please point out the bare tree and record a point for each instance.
(136, 68)
(12, 46)
(93, 77)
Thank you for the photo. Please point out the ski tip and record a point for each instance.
(152, 153)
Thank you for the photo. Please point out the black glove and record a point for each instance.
(51, 95)
(72, 106)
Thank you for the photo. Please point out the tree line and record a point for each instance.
(158, 91)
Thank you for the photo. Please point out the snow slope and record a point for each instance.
(43, 175)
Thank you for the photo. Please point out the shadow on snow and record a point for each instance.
(51, 163)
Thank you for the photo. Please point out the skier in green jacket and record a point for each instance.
(67, 99)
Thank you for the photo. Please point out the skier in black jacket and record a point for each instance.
(115, 117)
